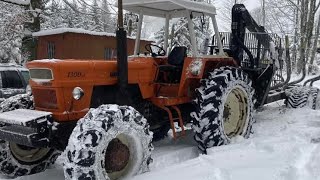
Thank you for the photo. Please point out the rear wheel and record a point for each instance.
(18, 160)
(224, 108)
(110, 142)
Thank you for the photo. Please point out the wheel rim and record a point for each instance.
(28, 154)
(235, 112)
(119, 157)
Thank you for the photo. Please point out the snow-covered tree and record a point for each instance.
(95, 15)
(18, 2)
(53, 15)
(11, 33)
(108, 21)
(224, 12)
(33, 10)
(296, 18)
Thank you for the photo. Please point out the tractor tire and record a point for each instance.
(110, 142)
(18, 160)
(301, 96)
(223, 108)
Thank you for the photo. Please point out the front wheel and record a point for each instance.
(224, 108)
(18, 160)
(109, 143)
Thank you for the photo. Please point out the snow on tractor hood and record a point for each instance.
(160, 8)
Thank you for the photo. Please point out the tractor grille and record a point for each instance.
(45, 98)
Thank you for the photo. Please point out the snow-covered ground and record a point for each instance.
(285, 146)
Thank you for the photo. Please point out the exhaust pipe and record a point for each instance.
(122, 60)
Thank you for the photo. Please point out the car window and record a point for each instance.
(26, 76)
(11, 79)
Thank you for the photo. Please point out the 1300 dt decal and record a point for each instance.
(75, 74)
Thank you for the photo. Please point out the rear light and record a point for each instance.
(45, 98)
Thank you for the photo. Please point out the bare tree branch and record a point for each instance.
(83, 2)
(97, 7)
(75, 9)
(290, 1)
(318, 5)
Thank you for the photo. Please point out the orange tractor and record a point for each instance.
(104, 114)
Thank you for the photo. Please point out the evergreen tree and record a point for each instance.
(53, 16)
(96, 21)
(108, 21)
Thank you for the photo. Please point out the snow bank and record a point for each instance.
(281, 148)
(285, 146)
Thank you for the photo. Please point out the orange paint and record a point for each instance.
(86, 74)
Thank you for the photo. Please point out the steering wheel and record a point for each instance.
(160, 52)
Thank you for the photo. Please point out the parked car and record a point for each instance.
(14, 80)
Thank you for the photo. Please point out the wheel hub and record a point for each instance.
(28, 154)
(117, 156)
(235, 112)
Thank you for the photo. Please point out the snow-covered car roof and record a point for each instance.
(7, 67)
(160, 8)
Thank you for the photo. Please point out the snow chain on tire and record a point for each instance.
(10, 164)
(20, 101)
(301, 96)
(87, 151)
(213, 107)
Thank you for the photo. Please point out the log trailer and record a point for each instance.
(105, 115)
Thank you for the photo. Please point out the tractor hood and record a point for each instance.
(72, 73)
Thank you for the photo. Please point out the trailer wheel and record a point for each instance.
(224, 108)
(18, 160)
(110, 142)
(301, 96)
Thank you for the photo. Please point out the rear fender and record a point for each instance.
(196, 69)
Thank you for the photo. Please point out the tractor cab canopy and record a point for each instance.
(169, 9)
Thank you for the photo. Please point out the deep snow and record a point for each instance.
(285, 146)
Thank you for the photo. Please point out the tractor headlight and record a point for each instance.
(77, 93)
(196, 67)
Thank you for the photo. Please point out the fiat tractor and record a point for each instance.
(105, 114)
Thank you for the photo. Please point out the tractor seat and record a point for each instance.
(175, 65)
